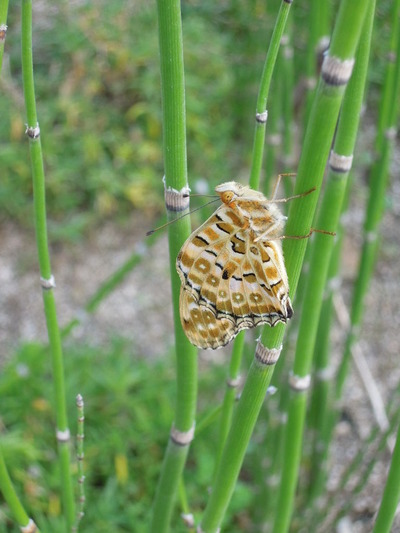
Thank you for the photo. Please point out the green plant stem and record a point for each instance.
(3, 28)
(329, 215)
(373, 447)
(208, 419)
(328, 96)
(80, 455)
(376, 202)
(10, 496)
(321, 414)
(258, 150)
(230, 394)
(320, 406)
(321, 393)
(272, 448)
(273, 140)
(287, 80)
(239, 435)
(391, 494)
(314, 155)
(44, 265)
(364, 475)
(388, 96)
(174, 146)
(311, 168)
(319, 31)
(259, 135)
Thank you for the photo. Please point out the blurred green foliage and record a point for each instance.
(128, 415)
(98, 93)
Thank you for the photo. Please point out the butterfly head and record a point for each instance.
(229, 191)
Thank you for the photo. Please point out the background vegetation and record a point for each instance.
(98, 98)
(98, 95)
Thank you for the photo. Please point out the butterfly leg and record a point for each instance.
(282, 200)
(278, 180)
(312, 230)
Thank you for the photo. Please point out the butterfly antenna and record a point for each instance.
(182, 216)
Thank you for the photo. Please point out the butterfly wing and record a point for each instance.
(201, 326)
(229, 282)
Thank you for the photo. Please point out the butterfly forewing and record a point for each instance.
(230, 280)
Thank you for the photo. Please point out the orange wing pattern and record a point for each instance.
(232, 276)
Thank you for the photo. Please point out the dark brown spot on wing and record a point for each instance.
(225, 227)
(238, 245)
(200, 241)
(254, 250)
(250, 277)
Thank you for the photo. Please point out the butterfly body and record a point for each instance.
(232, 269)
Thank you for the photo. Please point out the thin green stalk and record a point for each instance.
(373, 447)
(3, 28)
(365, 475)
(261, 109)
(331, 210)
(232, 384)
(174, 147)
(314, 155)
(272, 448)
(115, 279)
(168, 485)
(287, 67)
(320, 399)
(238, 438)
(44, 265)
(391, 494)
(80, 455)
(320, 405)
(208, 419)
(317, 141)
(273, 141)
(376, 202)
(320, 17)
(186, 515)
(11, 497)
(329, 94)
(258, 150)
(321, 416)
(388, 94)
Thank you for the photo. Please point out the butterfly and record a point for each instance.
(232, 269)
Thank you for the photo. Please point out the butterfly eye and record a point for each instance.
(227, 197)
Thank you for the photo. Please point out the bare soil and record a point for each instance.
(139, 308)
